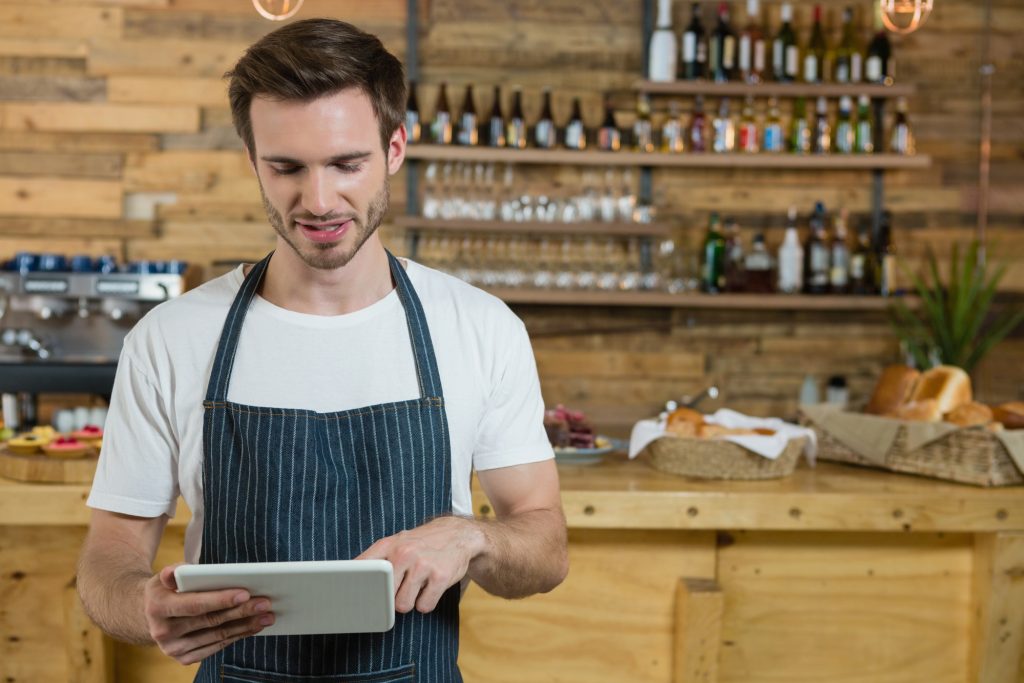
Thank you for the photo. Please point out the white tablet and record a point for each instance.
(337, 596)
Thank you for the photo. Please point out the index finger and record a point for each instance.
(377, 551)
(203, 602)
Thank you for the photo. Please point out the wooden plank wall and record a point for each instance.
(115, 138)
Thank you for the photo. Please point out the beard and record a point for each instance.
(324, 256)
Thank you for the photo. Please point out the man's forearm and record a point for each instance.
(111, 586)
(523, 554)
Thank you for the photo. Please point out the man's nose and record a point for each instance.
(317, 196)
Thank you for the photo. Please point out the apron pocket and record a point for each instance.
(236, 674)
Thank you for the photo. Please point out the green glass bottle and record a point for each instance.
(713, 271)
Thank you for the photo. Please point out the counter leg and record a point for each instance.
(997, 638)
(698, 630)
(90, 652)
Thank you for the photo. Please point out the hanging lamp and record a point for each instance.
(277, 10)
(904, 16)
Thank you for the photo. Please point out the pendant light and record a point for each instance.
(277, 10)
(904, 16)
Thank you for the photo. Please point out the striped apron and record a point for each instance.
(281, 484)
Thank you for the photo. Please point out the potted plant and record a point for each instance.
(954, 325)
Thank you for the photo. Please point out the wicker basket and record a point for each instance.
(719, 459)
(971, 456)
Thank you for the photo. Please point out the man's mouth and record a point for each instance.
(324, 232)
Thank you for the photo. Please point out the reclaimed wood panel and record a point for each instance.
(77, 198)
(129, 118)
(167, 90)
(92, 23)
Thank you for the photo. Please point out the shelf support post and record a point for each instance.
(412, 172)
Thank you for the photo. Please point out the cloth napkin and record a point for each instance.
(771, 447)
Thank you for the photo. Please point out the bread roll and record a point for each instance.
(947, 384)
(684, 422)
(893, 389)
(970, 414)
(709, 431)
(926, 410)
(1010, 415)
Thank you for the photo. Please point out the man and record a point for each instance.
(348, 396)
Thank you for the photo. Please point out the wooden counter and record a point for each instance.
(835, 573)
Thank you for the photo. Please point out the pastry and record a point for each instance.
(947, 384)
(568, 428)
(26, 444)
(684, 422)
(66, 447)
(926, 410)
(709, 431)
(90, 435)
(970, 414)
(1010, 415)
(893, 389)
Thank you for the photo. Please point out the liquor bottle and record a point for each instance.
(816, 254)
(609, 138)
(842, 141)
(694, 49)
(544, 130)
(575, 132)
(515, 127)
(814, 59)
(661, 63)
(901, 140)
(863, 265)
(672, 134)
(713, 266)
(748, 137)
(468, 131)
(785, 50)
(839, 272)
(751, 47)
(774, 140)
(441, 127)
(886, 254)
(496, 122)
(863, 137)
(758, 267)
(821, 137)
(878, 64)
(412, 115)
(722, 47)
(791, 258)
(799, 131)
(643, 132)
(848, 57)
(735, 271)
(698, 127)
(724, 129)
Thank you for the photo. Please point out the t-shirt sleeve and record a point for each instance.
(512, 427)
(137, 470)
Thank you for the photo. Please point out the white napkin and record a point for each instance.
(771, 447)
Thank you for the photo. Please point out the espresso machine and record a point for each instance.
(62, 324)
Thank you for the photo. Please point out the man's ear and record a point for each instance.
(396, 149)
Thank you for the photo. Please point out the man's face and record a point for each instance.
(323, 175)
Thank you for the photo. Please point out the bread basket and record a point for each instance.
(720, 459)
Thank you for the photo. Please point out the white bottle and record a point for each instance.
(661, 65)
(791, 258)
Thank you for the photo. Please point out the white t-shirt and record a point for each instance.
(152, 446)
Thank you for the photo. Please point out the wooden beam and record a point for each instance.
(997, 638)
(698, 629)
(89, 651)
(60, 197)
(123, 118)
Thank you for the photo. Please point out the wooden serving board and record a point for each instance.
(42, 468)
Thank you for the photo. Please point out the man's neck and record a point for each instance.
(293, 285)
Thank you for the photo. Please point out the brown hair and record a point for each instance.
(312, 58)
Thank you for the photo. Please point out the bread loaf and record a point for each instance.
(893, 389)
(684, 422)
(947, 384)
(926, 410)
(970, 414)
(1010, 415)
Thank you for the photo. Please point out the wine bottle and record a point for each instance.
(722, 47)
(412, 115)
(791, 258)
(878, 65)
(839, 273)
(694, 48)
(748, 137)
(697, 134)
(817, 48)
(575, 136)
(751, 47)
(609, 137)
(799, 131)
(723, 129)
(842, 141)
(643, 132)
(661, 64)
(816, 254)
(821, 138)
(785, 50)
(886, 255)
(713, 270)
(544, 130)
(863, 265)
(496, 122)
(774, 140)
(468, 131)
(441, 127)
(848, 57)
(672, 136)
(515, 128)
(863, 137)
(901, 140)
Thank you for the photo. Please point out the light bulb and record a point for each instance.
(904, 16)
(277, 10)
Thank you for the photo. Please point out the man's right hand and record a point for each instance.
(192, 626)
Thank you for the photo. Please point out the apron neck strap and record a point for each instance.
(427, 374)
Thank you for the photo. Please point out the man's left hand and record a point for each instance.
(428, 560)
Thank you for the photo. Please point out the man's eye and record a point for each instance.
(284, 170)
(348, 168)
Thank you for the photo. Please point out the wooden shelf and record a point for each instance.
(776, 89)
(703, 160)
(536, 227)
(774, 302)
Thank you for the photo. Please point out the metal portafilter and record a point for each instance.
(692, 401)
